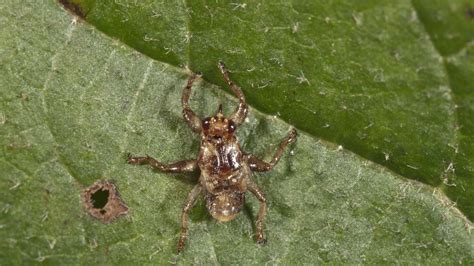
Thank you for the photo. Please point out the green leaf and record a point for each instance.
(74, 101)
(374, 77)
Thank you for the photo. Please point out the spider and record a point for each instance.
(225, 168)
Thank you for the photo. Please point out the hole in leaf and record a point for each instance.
(102, 201)
(100, 198)
(73, 8)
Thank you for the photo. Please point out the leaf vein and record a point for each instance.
(91, 83)
(140, 88)
(69, 33)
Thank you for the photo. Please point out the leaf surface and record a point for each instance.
(74, 101)
(380, 78)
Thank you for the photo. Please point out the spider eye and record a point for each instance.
(206, 123)
(231, 126)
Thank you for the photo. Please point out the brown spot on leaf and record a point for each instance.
(73, 8)
(470, 13)
(23, 96)
(102, 201)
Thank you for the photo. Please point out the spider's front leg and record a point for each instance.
(242, 109)
(194, 122)
(259, 165)
(177, 167)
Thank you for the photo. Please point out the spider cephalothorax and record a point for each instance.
(218, 128)
(225, 169)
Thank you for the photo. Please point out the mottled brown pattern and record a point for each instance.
(225, 169)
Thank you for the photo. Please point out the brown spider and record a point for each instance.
(225, 169)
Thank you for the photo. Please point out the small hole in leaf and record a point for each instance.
(103, 202)
(100, 198)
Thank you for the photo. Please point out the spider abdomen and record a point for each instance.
(224, 207)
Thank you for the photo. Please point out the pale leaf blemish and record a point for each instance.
(414, 16)
(369, 125)
(187, 37)
(93, 244)
(235, 51)
(446, 182)
(154, 253)
(16, 184)
(358, 18)
(168, 50)
(302, 78)
(211, 14)
(6, 208)
(276, 61)
(455, 147)
(264, 84)
(44, 217)
(40, 258)
(238, 6)
(155, 14)
(450, 168)
(147, 38)
(295, 28)
(51, 243)
(3, 119)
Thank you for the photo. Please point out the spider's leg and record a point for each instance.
(259, 165)
(192, 197)
(177, 167)
(241, 111)
(252, 187)
(191, 118)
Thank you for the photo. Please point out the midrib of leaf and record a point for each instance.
(452, 97)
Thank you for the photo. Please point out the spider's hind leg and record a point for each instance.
(252, 187)
(192, 197)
